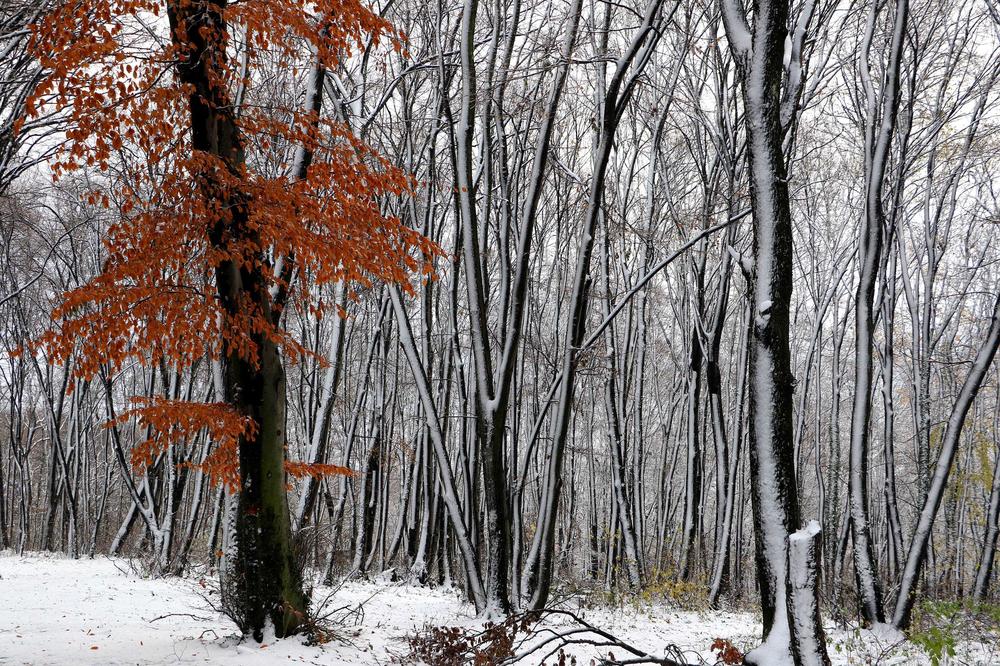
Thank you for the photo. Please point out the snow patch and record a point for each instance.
(89, 612)
(811, 529)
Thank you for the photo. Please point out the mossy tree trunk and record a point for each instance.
(263, 585)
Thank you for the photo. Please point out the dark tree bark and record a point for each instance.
(264, 584)
(759, 53)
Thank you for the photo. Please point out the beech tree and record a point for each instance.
(878, 131)
(225, 207)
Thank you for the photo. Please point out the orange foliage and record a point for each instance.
(112, 76)
(172, 421)
(316, 470)
(727, 652)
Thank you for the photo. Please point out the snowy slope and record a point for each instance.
(63, 611)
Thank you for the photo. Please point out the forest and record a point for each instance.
(512, 325)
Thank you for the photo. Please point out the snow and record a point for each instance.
(770, 494)
(101, 611)
(811, 529)
(803, 547)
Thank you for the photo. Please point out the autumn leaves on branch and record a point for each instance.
(114, 75)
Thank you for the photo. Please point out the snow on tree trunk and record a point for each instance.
(316, 452)
(985, 568)
(691, 529)
(760, 54)
(879, 126)
(808, 640)
(629, 67)
(451, 501)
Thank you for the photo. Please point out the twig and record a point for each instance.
(190, 615)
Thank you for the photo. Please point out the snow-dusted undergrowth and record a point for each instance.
(62, 611)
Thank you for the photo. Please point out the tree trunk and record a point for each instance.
(775, 499)
(263, 584)
(985, 569)
(877, 144)
(808, 640)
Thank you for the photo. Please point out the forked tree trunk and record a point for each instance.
(878, 141)
(539, 567)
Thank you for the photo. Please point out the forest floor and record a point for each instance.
(55, 610)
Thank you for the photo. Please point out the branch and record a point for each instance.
(590, 340)
(737, 29)
(562, 639)
(652, 273)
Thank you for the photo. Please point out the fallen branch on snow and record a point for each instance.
(584, 633)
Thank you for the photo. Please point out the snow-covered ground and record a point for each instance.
(55, 610)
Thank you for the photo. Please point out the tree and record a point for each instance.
(879, 125)
(615, 96)
(232, 211)
(768, 112)
(584, 167)
(917, 554)
(20, 74)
